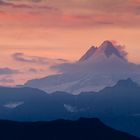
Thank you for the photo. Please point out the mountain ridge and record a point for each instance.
(81, 129)
(117, 106)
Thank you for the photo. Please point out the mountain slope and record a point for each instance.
(96, 69)
(88, 54)
(82, 129)
(117, 106)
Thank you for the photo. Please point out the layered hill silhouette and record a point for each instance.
(98, 68)
(117, 106)
(82, 129)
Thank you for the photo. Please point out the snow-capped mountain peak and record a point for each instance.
(91, 51)
(108, 48)
(105, 50)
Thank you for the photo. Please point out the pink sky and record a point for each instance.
(54, 29)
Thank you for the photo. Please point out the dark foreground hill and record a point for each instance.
(82, 129)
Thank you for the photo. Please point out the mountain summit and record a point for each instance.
(110, 49)
(97, 68)
(107, 48)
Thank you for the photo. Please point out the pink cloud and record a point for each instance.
(83, 14)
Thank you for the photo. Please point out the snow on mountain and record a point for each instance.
(88, 54)
(13, 105)
(96, 69)
(107, 49)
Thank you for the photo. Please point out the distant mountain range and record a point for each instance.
(82, 129)
(117, 106)
(96, 69)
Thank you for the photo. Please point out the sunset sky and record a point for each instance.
(36, 34)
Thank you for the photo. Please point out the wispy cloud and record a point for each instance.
(8, 71)
(21, 57)
(33, 70)
(6, 81)
(19, 5)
